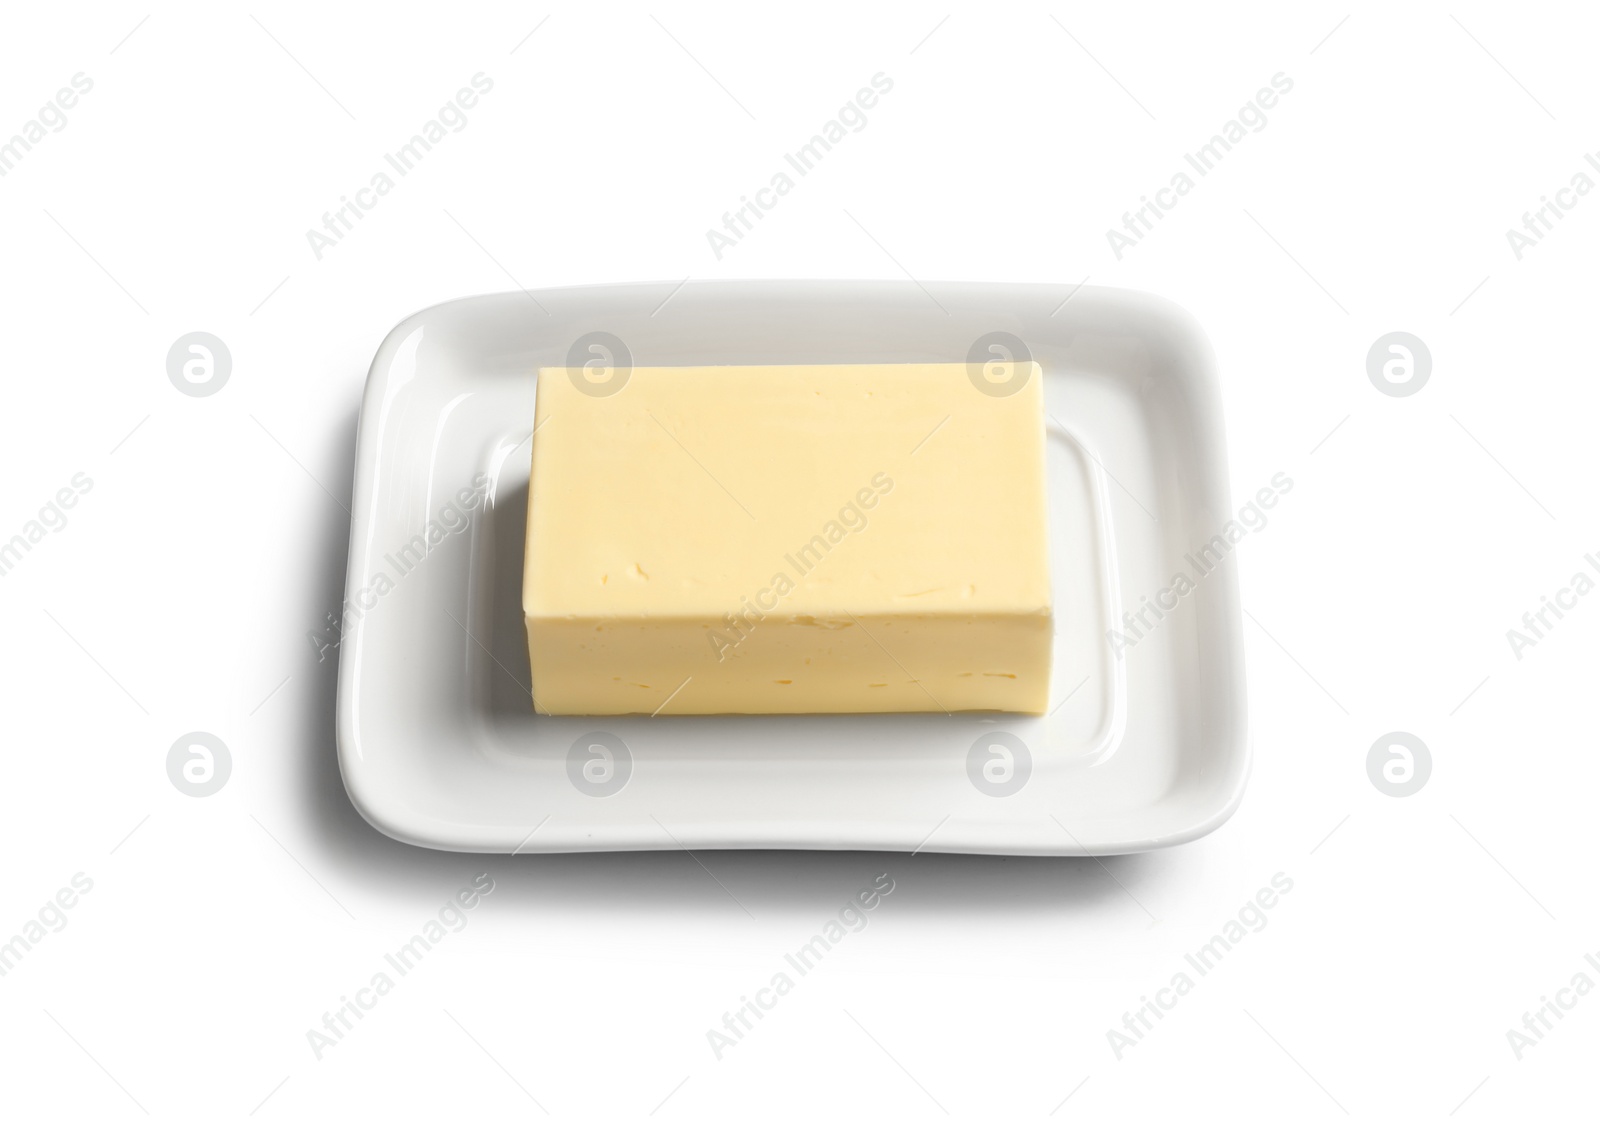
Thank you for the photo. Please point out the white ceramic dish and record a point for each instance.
(438, 744)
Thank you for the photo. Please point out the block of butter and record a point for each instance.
(774, 539)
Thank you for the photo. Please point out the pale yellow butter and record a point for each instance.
(762, 539)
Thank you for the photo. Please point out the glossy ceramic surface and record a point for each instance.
(1145, 746)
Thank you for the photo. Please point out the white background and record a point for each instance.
(180, 593)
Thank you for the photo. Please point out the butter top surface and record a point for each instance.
(855, 489)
